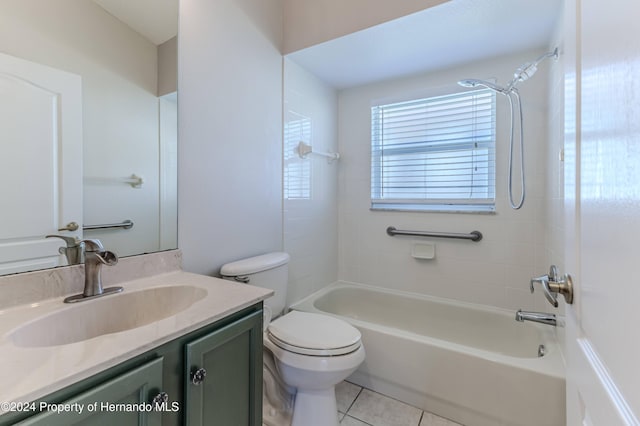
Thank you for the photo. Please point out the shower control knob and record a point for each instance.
(553, 284)
(198, 376)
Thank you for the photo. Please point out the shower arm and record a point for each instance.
(528, 69)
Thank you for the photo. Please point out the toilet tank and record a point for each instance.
(268, 271)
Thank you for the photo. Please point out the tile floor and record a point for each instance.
(362, 407)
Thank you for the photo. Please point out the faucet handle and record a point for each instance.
(544, 282)
(540, 279)
(93, 245)
(553, 284)
(551, 297)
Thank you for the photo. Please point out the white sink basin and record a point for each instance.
(105, 315)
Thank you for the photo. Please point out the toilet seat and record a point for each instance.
(312, 334)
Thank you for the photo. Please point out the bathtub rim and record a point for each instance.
(552, 364)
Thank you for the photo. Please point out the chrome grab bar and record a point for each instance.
(473, 235)
(126, 224)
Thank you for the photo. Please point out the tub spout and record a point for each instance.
(541, 317)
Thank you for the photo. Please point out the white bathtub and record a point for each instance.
(472, 364)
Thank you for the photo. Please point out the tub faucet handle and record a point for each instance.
(541, 279)
(544, 283)
(552, 284)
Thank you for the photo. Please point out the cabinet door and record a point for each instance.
(138, 386)
(231, 392)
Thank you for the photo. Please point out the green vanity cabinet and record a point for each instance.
(209, 377)
(225, 376)
(136, 388)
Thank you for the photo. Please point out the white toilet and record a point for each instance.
(312, 352)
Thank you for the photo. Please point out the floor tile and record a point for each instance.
(429, 419)
(350, 421)
(379, 410)
(346, 393)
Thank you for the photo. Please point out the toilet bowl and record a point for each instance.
(311, 352)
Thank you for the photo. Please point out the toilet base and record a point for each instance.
(315, 408)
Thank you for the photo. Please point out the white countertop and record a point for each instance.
(30, 373)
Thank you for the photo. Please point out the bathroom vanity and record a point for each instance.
(197, 364)
(230, 351)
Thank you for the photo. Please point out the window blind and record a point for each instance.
(297, 172)
(437, 151)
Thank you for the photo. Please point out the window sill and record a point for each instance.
(443, 208)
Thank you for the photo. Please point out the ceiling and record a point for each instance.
(453, 33)
(155, 20)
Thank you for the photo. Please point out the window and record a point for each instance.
(297, 172)
(434, 154)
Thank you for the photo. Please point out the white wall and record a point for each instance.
(120, 108)
(309, 22)
(553, 250)
(495, 271)
(168, 66)
(311, 225)
(230, 131)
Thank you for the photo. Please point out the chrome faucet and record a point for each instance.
(94, 257)
(541, 317)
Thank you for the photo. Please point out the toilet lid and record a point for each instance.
(314, 334)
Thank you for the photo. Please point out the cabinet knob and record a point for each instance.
(198, 376)
(159, 399)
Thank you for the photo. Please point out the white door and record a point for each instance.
(40, 162)
(602, 200)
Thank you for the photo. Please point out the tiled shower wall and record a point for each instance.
(553, 250)
(310, 184)
(495, 271)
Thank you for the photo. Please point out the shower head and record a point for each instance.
(528, 69)
(472, 82)
(523, 73)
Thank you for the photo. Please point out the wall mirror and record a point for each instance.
(88, 128)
